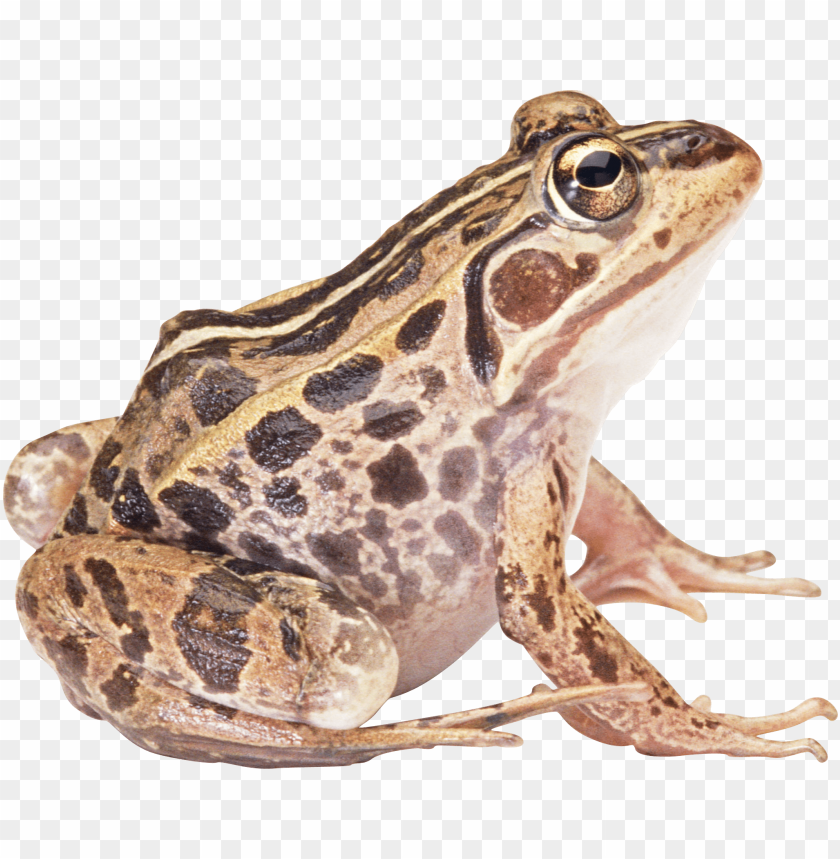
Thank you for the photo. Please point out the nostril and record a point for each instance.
(695, 141)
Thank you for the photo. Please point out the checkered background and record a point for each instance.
(157, 157)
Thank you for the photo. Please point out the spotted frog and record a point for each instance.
(325, 498)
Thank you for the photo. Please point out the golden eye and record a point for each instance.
(595, 177)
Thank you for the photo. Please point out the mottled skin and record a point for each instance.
(327, 497)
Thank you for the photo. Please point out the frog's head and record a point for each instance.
(609, 247)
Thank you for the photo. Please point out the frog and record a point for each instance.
(323, 499)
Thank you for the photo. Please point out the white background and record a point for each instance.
(160, 157)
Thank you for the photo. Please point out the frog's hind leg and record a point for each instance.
(212, 658)
(632, 558)
(44, 477)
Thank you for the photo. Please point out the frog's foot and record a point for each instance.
(667, 573)
(632, 558)
(45, 475)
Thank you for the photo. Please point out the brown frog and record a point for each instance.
(325, 498)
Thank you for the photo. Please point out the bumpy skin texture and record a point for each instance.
(327, 497)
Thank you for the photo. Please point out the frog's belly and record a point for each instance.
(441, 630)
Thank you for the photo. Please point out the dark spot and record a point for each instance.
(211, 628)
(26, 603)
(662, 238)
(484, 509)
(330, 481)
(339, 553)
(283, 496)
(291, 640)
(74, 587)
(181, 429)
(135, 644)
(396, 478)
(218, 392)
(340, 446)
(262, 551)
(418, 330)
(487, 430)
(281, 438)
(696, 722)
(69, 657)
(445, 567)
(562, 482)
(540, 601)
(120, 690)
(531, 285)
(76, 520)
(670, 701)
(241, 492)
(434, 382)
(386, 420)
(373, 584)
(132, 507)
(349, 382)
(655, 711)
(712, 725)
(198, 507)
(457, 473)
(590, 643)
(103, 475)
(552, 494)
(458, 535)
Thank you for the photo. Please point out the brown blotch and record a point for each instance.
(418, 330)
(542, 604)
(103, 475)
(339, 553)
(241, 492)
(396, 479)
(385, 420)
(434, 382)
(590, 643)
(662, 238)
(218, 393)
(211, 628)
(26, 603)
(196, 506)
(263, 551)
(330, 481)
(74, 587)
(281, 438)
(284, 497)
(132, 507)
(458, 536)
(120, 690)
(532, 284)
(76, 520)
(135, 644)
(69, 657)
(457, 473)
(291, 640)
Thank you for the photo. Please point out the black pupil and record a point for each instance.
(598, 169)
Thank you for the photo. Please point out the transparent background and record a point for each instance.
(160, 157)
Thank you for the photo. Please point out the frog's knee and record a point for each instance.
(45, 475)
(354, 667)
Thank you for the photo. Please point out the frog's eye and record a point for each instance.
(594, 177)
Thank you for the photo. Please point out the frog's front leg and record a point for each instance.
(540, 607)
(212, 658)
(632, 558)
